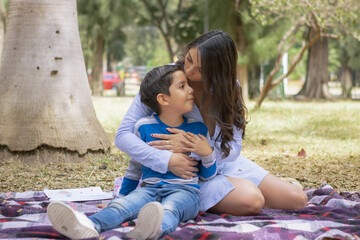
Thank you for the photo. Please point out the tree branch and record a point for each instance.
(291, 31)
(297, 59)
(164, 15)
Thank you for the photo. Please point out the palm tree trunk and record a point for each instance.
(45, 97)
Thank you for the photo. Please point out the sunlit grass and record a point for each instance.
(329, 132)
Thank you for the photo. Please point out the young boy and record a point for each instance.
(164, 199)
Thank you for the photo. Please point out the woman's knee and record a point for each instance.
(299, 198)
(281, 194)
(296, 196)
(245, 199)
(253, 201)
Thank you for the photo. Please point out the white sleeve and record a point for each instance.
(235, 147)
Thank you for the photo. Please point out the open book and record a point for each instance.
(78, 194)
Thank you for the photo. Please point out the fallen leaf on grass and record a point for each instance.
(301, 154)
(263, 142)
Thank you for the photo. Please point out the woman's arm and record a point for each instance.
(155, 159)
(136, 148)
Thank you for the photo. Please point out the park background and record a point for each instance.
(299, 65)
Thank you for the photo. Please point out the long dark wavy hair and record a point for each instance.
(218, 68)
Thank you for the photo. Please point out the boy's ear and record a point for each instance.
(162, 99)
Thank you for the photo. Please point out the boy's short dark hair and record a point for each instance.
(157, 81)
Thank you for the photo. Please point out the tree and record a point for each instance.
(317, 70)
(254, 42)
(101, 24)
(45, 101)
(144, 45)
(322, 16)
(178, 22)
(234, 18)
(348, 55)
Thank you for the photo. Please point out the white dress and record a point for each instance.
(235, 165)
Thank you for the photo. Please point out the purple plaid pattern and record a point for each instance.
(329, 214)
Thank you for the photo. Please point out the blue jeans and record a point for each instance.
(180, 202)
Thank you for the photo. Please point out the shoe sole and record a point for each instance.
(64, 220)
(149, 221)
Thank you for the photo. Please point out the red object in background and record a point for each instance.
(110, 79)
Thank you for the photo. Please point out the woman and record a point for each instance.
(241, 187)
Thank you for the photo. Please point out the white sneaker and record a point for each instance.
(70, 223)
(149, 222)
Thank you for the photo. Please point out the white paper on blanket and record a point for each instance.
(78, 194)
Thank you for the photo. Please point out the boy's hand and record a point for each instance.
(197, 144)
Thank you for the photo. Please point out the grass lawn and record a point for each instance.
(328, 132)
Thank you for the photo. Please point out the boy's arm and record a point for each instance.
(129, 143)
(208, 168)
(131, 178)
(199, 144)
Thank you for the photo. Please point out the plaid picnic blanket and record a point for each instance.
(328, 215)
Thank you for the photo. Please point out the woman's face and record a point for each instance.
(192, 66)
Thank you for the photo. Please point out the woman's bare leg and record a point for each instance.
(245, 199)
(282, 195)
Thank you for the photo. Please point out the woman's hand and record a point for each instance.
(171, 142)
(197, 144)
(183, 166)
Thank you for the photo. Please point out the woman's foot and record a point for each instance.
(149, 222)
(70, 223)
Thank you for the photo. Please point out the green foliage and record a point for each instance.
(102, 18)
(331, 16)
(348, 52)
(334, 58)
(265, 47)
(143, 46)
(159, 58)
(178, 21)
(186, 31)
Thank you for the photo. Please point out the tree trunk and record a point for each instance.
(317, 75)
(45, 99)
(168, 46)
(97, 87)
(345, 77)
(242, 69)
(242, 74)
(254, 82)
(270, 83)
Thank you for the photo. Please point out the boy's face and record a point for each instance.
(181, 96)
